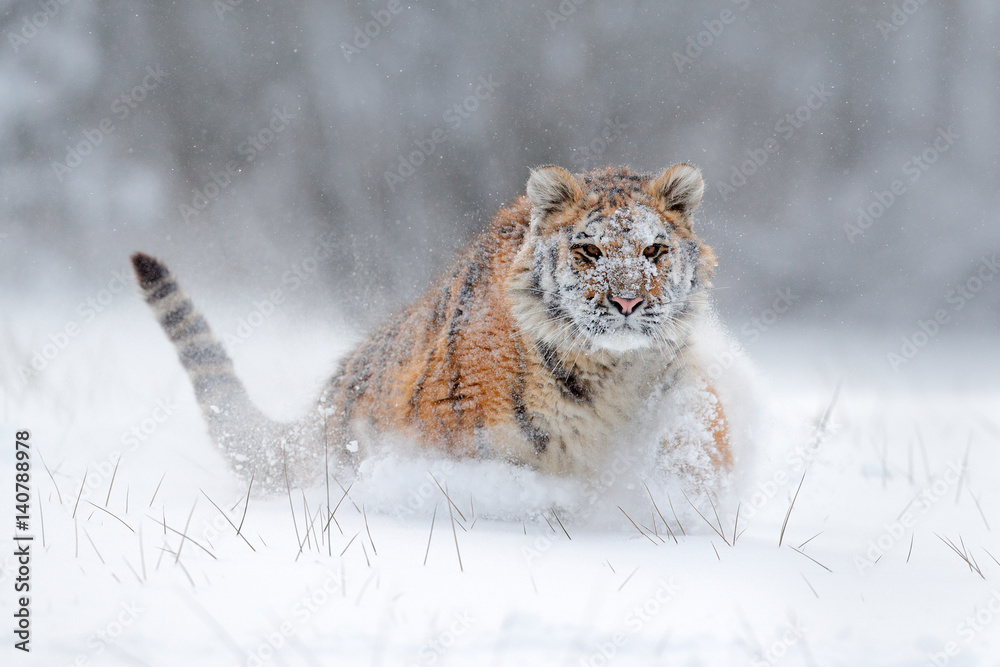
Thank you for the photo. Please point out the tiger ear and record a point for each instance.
(679, 188)
(551, 189)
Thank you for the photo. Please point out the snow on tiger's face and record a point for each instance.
(614, 263)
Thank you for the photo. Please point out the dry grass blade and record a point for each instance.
(306, 523)
(291, 506)
(41, 519)
(910, 504)
(978, 507)
(809, 585)
(365, 514)
(431, 534)
(239, 528)
(350, 542)
(962, 554)
(784, 524)
(829, 408)
(736, 524)
(972, 559)
(453, 531)
(641, 531)
(114, 474)
(652, 500)
(676, 518)
(51, 476)
(811, 539)
(183, 536)
(627, 579)
(157, 490)
(333, 514)
(111, 514)
(810, 558)
(705, 519)
(80, 494)
(137, 577)
(326, 480)
(346, 491)
(452, 502)
(310, 524)
(716, 512)
(226, 517)
(187, 574)
(910, 552)
(561, 524)
(89, 539)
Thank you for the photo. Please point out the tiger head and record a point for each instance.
(610, 261)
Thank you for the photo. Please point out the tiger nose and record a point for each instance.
(625, 306)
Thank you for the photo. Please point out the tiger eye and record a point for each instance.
(654, 251)
(589, 249)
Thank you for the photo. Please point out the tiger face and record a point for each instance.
(614, 264)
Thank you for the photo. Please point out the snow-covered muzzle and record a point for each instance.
(617, 282)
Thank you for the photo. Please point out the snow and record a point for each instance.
(539, 582)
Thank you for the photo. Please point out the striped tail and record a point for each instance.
(274, 454)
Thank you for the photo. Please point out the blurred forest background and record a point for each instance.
(234, 137)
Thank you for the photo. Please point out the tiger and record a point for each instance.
(556, 337)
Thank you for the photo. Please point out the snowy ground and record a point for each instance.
(863, 575)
